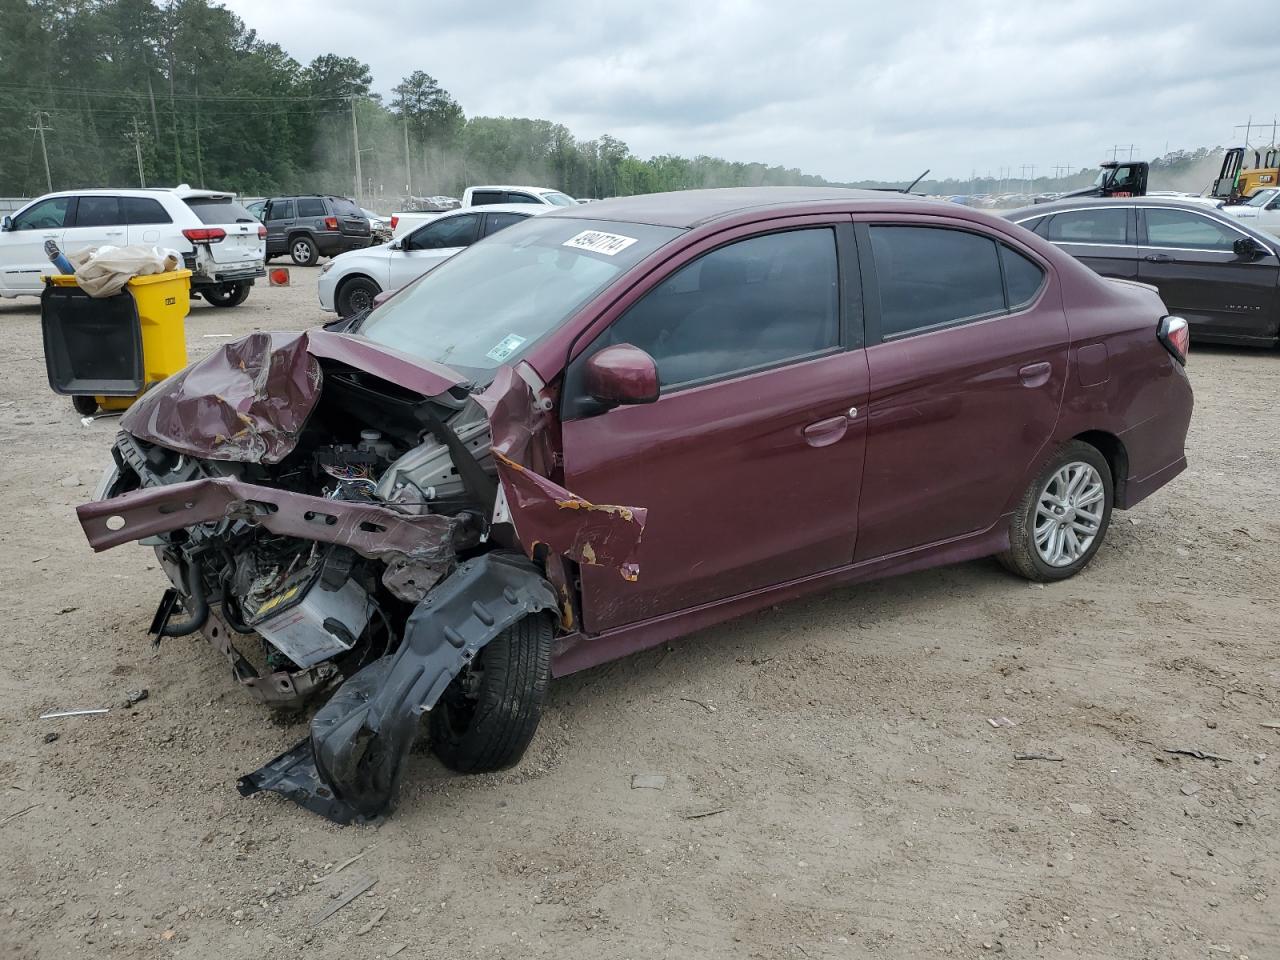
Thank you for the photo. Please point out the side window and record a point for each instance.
(751, 304)
(500, 221)
(49, 214)
(1022, 278)
(140, 210)
(933, 277)
(1096, 225)
(98, 212)
(480, 198)
(522, 198)
(280, 210)
(1184, 229)
(311, 207)
(459, 231)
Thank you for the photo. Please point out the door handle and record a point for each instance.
(823, 433)
(1036, 374)
(1158, 258)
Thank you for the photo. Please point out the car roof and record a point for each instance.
(183, 192)
(514, 186)
(692, 208)
(1082, 203)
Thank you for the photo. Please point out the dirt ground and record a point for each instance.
(833, 784)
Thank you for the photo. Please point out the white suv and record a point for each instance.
(220, 241)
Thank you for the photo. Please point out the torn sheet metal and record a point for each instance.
(350, 767)
(373, 531)
(544, 512)
(248, 401)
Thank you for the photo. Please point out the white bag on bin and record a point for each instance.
(103, 271)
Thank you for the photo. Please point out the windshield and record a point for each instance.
(1260, 198)
(485, 306)
(559, 199)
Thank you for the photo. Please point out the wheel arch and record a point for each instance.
(346, 279)
(1112, 448)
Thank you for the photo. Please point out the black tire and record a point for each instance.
(487, 716)
(303, 251)
(1023, 556)
(356, 295)
(84, 404)
(226, 294)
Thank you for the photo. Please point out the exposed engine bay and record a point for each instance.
(358, 541)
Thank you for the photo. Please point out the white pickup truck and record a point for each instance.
(1261, 211)
(402, 223)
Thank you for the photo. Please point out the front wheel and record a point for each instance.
(226, 294)
(487, 716)
(1059, 524)
(356, 296)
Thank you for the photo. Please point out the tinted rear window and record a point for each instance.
(217, 210)
(311, 207)
(343, 207)
(1097, 225)
(1022, 278)
(140, 210)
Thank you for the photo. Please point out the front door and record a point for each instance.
(967, 352)
(22, 257)
(429, 245)
(281, 216)
(750, 461)
(1191, 259)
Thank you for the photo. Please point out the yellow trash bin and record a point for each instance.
(95, 349)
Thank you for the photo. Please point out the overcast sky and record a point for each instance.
(848, 90)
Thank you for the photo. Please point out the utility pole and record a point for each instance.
(136, 139)
(355, 148)
(41, 128)
(408, 170)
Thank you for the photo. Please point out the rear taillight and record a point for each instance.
(205, 234)
(262, 232)
(1175, 334)
(331, 223)
(394, 220)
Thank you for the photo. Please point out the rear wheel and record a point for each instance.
(487, 716)
(226, 294)
(84, 404)
(1059, 524)
(356, 295)
(303, 251)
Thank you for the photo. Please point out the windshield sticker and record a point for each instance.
(594, 241)
(505, 348)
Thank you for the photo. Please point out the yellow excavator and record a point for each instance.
(1236, 183)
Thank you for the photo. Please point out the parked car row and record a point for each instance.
(220, 242)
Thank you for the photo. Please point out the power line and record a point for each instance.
(207, 97)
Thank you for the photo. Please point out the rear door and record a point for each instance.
(1104, 238)
(98, 222)
(751, 459)
(22, 257)
(1190, 258)
(433, 243)
(967, 353)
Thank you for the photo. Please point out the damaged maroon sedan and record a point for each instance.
(613, 425)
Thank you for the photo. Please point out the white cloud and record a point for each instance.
(848, 90)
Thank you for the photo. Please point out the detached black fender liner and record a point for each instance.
(349, 769)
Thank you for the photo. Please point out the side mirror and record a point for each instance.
(622, 375)
(6, 224)
(1248, 247)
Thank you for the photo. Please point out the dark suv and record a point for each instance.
(311, 227)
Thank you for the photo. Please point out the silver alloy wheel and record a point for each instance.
(301, 251)
(1069, 513)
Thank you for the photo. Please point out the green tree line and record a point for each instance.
(129, 91)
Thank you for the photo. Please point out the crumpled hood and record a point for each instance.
(249, 399)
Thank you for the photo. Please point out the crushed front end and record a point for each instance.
(343, 522)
